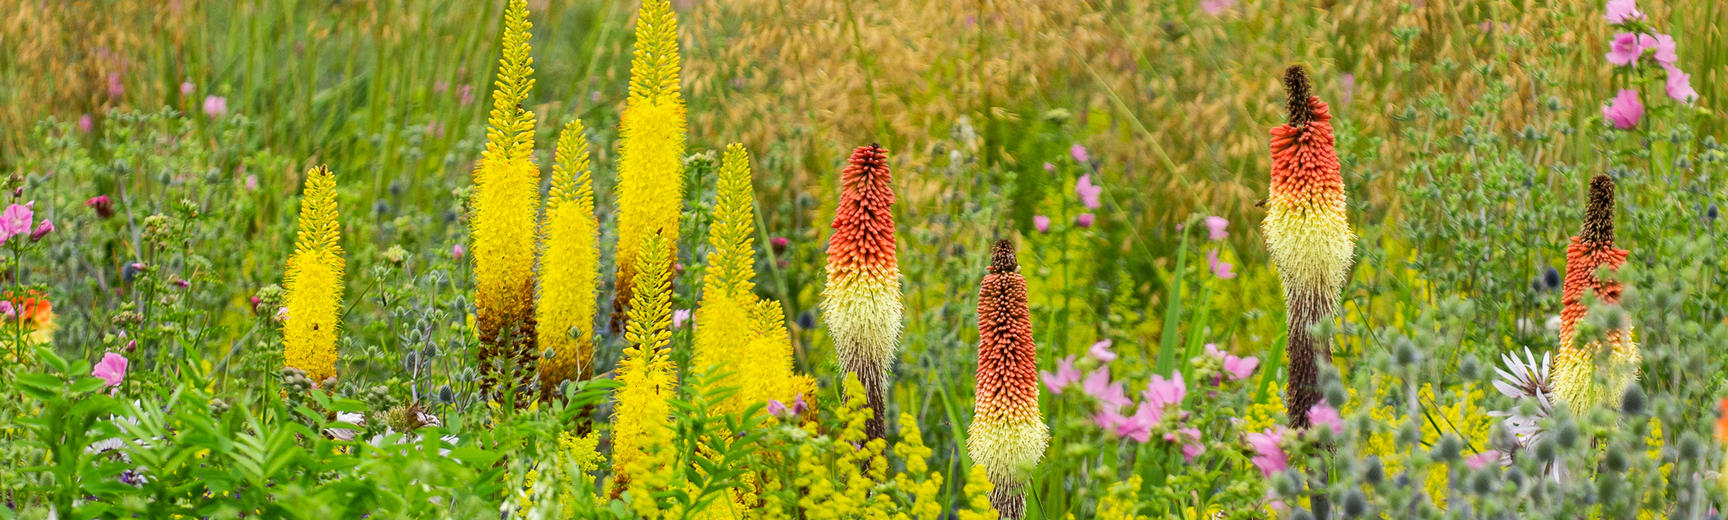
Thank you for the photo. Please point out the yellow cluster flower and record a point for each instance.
(651, 149)
(569, 265)
(842, 489)
(1122, 501)
(978, 490)
(1463, 416)
(641, 427)
(313, 282)
(505, 205)
(917, 480)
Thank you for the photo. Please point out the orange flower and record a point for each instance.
(1722, 421)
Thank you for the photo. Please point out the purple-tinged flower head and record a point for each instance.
(1665, 52)
(7, 310)
(1079, 153)
(776, 408)
(1325, 415)
(215, 106)
(42, 230)
(1627, 47)
(186, 88)
(1101, 351)
(116, 87)
(799, 406)
(1238, 368)
(103, 207)
(1110, 394)
(1679, 85)
(458, 252)
(85, 123)
(16, 220)
(1041, 223)
(112, 369)
(779, 243)
(1084, 220)
(1624, 110)
(1622, 11)
(1087, 191)
(1161, 393)
(1215, 228)
(1065, 376)
(1268, 456)
(1220, 269)
(1049, 168)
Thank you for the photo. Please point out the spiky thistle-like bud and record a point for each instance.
(1308, 236)
(569, 265)
(505, 205)
(651, 149)
(728, 285)
(1575, 370)
(641, 424)
(313, 282)
(861, 301)
(1008, 434)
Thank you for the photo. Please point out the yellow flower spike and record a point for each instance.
(313, 282)
(651, 149)
(505, 203)
(569, 266)
(641, 424)
(769, 376)
(978, 490)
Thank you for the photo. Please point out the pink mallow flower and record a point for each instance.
(1079, 154)
(1217, 7)
(1325, 415)
(42, 230)
(215, 106)
(16, 220)
(1624, 110)
(1191, 444)
(1161, 393)
(1627, 47)
(1679, 85)
(1109, 420)
(1482, 460)
(1087, 191)
(1239, 368)
(1664, 45)
(1084, 220)
(1215, 228)
(111, 369)
(1268, 456)
(680, 316)
(1065, 376)
(1622, 11)
(1101, 351)
(1108, 393)
(1220, 269)
(1042, 223)
(1139, 426)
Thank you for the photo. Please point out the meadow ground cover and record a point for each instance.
(816, 259)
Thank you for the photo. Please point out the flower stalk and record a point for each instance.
(1007, 435)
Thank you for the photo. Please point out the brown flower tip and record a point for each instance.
(1599, 214)
(1002, 257)
(1296, 85)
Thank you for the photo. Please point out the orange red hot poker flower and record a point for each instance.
(1575, 378)
(1008, 433)
(861, 301)
(1308, 235)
